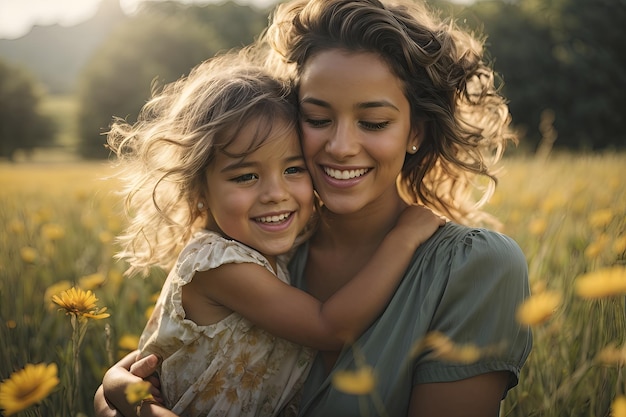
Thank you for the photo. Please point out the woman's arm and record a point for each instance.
(292, 314)
(478, 396)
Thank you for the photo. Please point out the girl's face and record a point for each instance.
(264, 199)
(356, 128)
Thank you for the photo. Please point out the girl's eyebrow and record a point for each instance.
(365, 105)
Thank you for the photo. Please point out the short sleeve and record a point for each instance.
(488, 279)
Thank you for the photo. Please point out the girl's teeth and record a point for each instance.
(344, 175)
(274, 219)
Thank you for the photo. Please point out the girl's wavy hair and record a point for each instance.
(450, 88)
(165, 154)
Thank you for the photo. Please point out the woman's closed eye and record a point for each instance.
(316, 123)
(374, 125)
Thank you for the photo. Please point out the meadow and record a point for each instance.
(58, 222)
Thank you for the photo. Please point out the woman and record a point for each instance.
(399, 108)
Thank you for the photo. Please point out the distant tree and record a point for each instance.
(22, 125)
(158, 45)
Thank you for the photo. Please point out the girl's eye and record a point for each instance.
(245, 178)
(374, 126)
(316, 122)
(295, 170)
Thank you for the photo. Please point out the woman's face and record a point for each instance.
(356, 129)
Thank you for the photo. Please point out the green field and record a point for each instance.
(567, 213)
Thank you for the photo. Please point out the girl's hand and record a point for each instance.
(417, 224)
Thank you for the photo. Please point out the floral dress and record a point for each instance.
(229, 368)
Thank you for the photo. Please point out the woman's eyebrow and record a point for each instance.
(365, 105)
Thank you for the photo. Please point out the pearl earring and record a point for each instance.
(413, 149)
(200, 205)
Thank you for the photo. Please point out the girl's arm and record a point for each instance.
(292, 314)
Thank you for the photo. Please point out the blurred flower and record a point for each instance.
(602, 283)
(612, 355)
(137, 391)
(16, 227)
(81, 304)
(537, 227)
(600, 219)
(27, 387)
(618, 407)
(619, 245)
(105, 237)
(89, 282)
(52, 231)
(538, 308)
(54, 289)
(28, 254)
(359, 382)
(444, 349)
(128, 342)
(552, 202)
(11, 324)
(597, 247)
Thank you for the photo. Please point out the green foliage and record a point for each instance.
(562, 55)
(22, 124)
(159, 45)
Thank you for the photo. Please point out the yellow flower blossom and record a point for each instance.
(537, 227)
(444, 349)
(612, 355)
(618, 406)
(52, 232)
(128, 342)
(600, 219)
(597, 247)
(28, 254)
(54, 289)
(602, 283)
(89, 282)
(619, 245)
(538, 308)
(137, 391)
(27, 387)
(81, 304)
(359, 382)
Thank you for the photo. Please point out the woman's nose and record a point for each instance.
(343, 141)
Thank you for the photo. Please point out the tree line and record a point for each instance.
(559, 62)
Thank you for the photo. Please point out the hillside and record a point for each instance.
(55, 54)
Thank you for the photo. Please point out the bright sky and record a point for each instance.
(18, 16)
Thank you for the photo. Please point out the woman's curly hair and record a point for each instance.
(450, 88)
(165, 154)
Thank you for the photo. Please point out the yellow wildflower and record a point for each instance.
(619, 245)
(91, 281)
(52, 231)
(611, 354)
(137, 391)
(602, 283)
(600, 219)
(538, 308)
(597, 247)
(537, 227)
(359, 382)
(27, 387)
(445, 349)
(56, 288)
(81, 304)
(128, 342)
(28, 254)
(618, 407)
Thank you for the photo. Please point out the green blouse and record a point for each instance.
(465, 283)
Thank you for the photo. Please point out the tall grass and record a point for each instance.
(567, 213)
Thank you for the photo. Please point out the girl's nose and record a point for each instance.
(274, 190)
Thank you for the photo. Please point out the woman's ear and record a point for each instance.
(415, 138)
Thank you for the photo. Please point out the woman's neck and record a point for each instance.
(361, 229)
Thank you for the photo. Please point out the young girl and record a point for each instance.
(215, 173)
